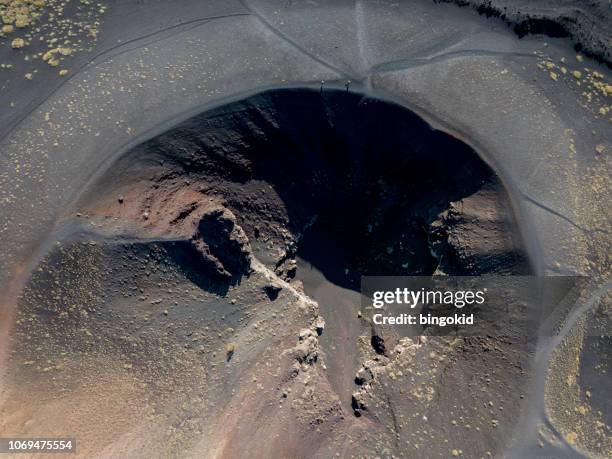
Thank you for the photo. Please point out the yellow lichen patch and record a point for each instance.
(597, 87)
(21, 13)
(17, 43)
(571, 438)
(63, 72)
(21, 21)
(602, 87)
(65, 27)
(49, 54)
(595, 81)
(567, 399)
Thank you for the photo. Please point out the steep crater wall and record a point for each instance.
(355, 185)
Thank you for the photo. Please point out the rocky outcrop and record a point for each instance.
(223, 245)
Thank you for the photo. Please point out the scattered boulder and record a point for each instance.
(319, 325)
(272, 291)
(307, 350)
(357, 403)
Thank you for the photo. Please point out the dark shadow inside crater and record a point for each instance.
(351, 184)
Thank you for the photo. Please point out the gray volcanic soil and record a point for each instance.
(172, 323)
